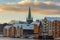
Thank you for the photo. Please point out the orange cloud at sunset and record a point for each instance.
(37, 7)
(23, 2)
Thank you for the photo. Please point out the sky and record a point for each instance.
(18, 9)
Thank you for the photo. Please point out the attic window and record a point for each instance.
(18, 26)
(27, 25)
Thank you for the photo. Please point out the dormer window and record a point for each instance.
(27, 25)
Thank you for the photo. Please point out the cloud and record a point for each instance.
(56, 0)
(53, 0)
(48, 2)
(52, 3)
(25, 2)
(36, 2)
(37, 7)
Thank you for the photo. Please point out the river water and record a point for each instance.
(7, 38)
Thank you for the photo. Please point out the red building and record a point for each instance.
(40, 29)
(5, 32)
(12, 31)
(56, 28)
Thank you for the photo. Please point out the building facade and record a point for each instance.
(56, 28)
(47, 28)
(40, 31)
(12, 31)
(50, 28)
(36, 32)
(5, 32)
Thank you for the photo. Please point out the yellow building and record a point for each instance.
(36, 33)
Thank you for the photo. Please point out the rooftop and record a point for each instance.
(53, 18)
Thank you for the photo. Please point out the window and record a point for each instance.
(27, 25)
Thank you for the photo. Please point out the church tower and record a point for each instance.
(29, 18)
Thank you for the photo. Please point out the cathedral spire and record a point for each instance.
(29, 18)
(29, 14)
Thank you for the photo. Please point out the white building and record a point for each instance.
(47, 27)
